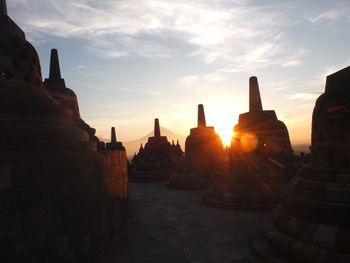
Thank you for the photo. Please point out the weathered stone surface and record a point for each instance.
(71, 196)
(168, 225)
(5, 177)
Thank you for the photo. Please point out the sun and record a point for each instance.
(225, 131)
(223, 117)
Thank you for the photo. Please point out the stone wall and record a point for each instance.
(60, 206)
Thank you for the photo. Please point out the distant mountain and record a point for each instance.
(133, 146)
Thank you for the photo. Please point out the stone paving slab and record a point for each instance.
(175, 226)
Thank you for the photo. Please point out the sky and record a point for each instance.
(132, 61)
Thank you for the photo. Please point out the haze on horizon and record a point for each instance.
(132, 61)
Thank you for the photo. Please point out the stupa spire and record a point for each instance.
(201, 116)
(3, 8)
(156, 128)
(255, 104)
(113, 135)
(55, 71)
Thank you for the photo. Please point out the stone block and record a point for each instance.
(326, 234)
(346, 194)
(87, 242)
(62, 245)
(4, 203)
(5, 177)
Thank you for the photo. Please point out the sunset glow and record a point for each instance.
(225, 132)
(188, 53)
(223, 117)
(249, 142)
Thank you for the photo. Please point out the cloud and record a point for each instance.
(214, 77)
(294, 60)
(215, 30)
(126, 90)
(305, 96)
(154, 93)
(189, 80)
(339, 11)
(291, 63)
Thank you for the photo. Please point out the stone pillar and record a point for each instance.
(255, 104)
(113, 135)
(201, 116)
(156, 128)
(55, 72)
(3, 8)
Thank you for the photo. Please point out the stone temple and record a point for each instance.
(261, 157)
(204, 155)
(61, 199)
(312, 225)
(154, 162)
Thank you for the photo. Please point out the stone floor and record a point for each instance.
(176, 226)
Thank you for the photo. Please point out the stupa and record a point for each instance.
(114, 144)
(312, 224)
(204, 155)
(56, 87)
(261, 157)
(61, 199)
(30, 111)
(176, 151)
(153, 162)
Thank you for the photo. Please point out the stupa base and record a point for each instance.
(293, 239)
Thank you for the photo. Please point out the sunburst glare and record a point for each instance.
(223, 119)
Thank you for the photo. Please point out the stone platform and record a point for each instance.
(168, 225)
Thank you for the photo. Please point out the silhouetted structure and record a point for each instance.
(204, 155)
(176, 150)
(57, 89)
(155, 161)
(114, 144)
(61, 199)
(313, 223)
(261, 157)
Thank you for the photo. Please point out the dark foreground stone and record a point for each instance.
(168, 225)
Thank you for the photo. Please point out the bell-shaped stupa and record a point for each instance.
(260, 159)
(57, 88)
(313, 225)
(30, 118)
(204, 155)
(153, 162)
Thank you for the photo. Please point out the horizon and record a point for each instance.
(131, 62)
